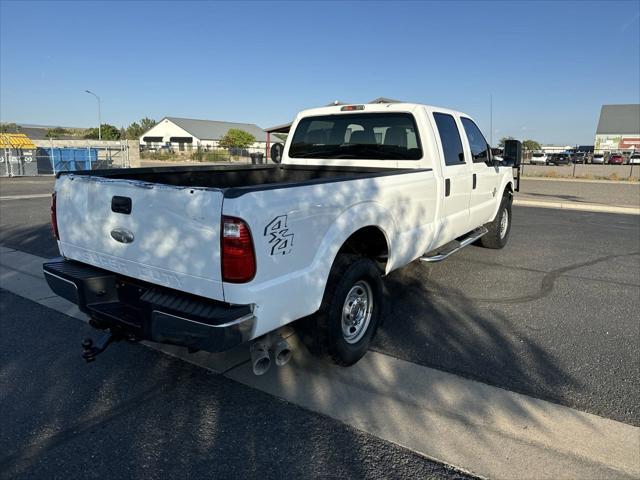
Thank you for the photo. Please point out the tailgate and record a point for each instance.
(171, 236)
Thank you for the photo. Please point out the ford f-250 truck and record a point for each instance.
(216, 256)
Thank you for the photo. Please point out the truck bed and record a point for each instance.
(236, 180)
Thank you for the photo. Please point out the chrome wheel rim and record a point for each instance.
(356, 312)
(504, 223)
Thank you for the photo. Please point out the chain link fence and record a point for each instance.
(51, 160)
(170, 155)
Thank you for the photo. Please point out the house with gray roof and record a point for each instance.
(618, 128)
(188, 133)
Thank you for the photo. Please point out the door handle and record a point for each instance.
(121, 205)
(475, 181)
(447, 187)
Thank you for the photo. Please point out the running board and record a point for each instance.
(452, 247)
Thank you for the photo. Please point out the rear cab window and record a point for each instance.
(357, 136)
(449, 138)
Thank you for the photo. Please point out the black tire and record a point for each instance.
(496, 238)
(322, 333)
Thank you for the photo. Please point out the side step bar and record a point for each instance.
(452, 247)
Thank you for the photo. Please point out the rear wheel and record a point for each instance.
(500, 227)
(350, 312)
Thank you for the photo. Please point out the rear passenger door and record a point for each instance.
(457, 179)
(485, 177)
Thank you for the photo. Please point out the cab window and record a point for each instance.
(477, 143)
(450, 139)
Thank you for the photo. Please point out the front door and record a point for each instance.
(485, 177)
(457, 180)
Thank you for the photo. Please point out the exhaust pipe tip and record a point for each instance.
(260, 359)
(282, 353)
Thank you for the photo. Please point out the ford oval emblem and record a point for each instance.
(122, 235)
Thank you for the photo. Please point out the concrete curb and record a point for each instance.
(478, 428)
(583, 207)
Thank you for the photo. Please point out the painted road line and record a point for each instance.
(476, 427)
(583, 207)
(25, 197)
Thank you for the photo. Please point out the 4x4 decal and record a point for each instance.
(280, 239)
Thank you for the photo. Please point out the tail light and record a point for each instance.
(54, 217)
(238, 256)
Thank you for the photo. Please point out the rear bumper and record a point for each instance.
(150, 312)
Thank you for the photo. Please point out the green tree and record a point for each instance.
(9, 128)
(136, 129)
(57, 132)
(531, 145)
(109, 132)
(146, 124)
(503, 139)
(236, 138)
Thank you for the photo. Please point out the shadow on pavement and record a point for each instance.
(36, 240)
(135, 413)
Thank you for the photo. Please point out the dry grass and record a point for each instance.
(614, 177)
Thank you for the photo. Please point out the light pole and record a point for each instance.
(99, 120)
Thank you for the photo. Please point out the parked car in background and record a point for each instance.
(561, 159)
(616, 159)
(579, 157)
(598, 158)
(634, 159)
(539, 158)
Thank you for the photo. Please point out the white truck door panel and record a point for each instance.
(174, 232)
(487, 178)
(457, 179)
(483, 197)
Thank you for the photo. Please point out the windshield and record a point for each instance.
(384, 136)
(538, 154)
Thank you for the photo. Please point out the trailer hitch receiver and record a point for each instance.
(91, 350)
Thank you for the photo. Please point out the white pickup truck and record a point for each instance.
(216, 256)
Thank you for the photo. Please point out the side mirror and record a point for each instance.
(512, 153)
(276, 152)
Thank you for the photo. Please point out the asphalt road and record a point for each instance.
(553, 315)
(148, 415)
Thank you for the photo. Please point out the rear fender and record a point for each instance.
(362, 215)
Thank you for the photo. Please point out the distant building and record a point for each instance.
(618, 128)
(556, 148)
(187, 133)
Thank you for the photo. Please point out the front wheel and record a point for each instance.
(500, 227)
(350, 312)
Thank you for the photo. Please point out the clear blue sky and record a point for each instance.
(549, 65)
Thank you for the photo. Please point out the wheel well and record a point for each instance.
(368, 242)
(509, 188)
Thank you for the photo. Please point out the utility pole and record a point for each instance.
(491, 119)
(99, 119)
